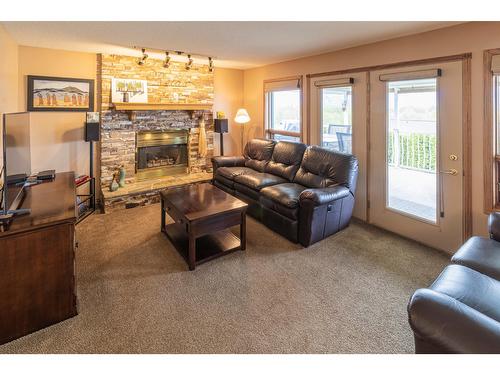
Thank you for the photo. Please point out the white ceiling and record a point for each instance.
(239, 45)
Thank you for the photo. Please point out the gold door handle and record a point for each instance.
(451, 171)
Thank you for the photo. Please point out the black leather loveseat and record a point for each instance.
(305, 193)
(460, 311)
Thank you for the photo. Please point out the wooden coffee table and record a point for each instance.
(203, 215)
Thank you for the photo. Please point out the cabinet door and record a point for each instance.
(37, 285)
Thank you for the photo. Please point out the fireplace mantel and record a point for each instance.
(161, 107)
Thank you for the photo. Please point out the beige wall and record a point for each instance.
(56, 137)
(471, 37)
(228, 98)
(8, 78)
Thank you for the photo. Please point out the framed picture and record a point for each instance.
(129, 90)
(60, 94)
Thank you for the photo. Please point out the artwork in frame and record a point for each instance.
(60, 94)
(129, 90)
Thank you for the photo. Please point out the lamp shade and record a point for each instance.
(242, 116)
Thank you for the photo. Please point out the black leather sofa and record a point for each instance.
(460, 311)
(305, 193)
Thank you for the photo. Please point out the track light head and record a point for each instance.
(189, 64)
(210, 65)
(142, 60)
(166, 63)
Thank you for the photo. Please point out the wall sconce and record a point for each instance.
(189, 64)
(210, 65)
(144, 57)
(166, 63)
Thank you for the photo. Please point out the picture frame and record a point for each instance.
(60, 94)
(124, 90)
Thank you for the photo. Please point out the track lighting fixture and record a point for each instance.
(166, 63)
(189, 63)
(210, 65)
(144, 57)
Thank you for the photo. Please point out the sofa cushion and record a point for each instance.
(231, 172)
(257, 181)
(286, 159)
(321, 168)
(286, 194)
(478, 291)
(481, 254)
(258, 152)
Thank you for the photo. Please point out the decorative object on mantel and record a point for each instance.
(129, 90)
(114, 184)
(202, 139)
(221, 127)
(57, 94)
(121, 180)
(242, 118)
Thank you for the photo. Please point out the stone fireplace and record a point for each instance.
(160, 153)
(155, 142)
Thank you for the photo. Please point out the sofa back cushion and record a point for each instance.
(286, 159)
(321, 168)
(258, 152)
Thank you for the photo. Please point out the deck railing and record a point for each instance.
(412, 150)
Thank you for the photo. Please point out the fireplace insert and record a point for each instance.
(161, 153)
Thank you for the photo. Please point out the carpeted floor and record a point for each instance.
(346, 294)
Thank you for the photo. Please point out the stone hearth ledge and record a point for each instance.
(142, 193)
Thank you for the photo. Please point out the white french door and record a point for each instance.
(416, 184)
(338, 121)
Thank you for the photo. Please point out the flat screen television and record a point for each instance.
(15, 161)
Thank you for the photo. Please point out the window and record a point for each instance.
(283, 109)
(336, 118)
(492, 131)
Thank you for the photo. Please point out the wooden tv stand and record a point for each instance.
(37, 272)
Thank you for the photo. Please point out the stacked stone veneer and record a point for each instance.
(118, 139)
(168, 86)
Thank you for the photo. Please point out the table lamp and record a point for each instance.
(242, 118)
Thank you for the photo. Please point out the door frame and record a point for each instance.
(465, 58)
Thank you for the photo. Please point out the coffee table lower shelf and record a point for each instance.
(208, 247)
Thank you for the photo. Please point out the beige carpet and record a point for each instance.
(346, 294)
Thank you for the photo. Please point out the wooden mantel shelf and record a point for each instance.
(161, 106)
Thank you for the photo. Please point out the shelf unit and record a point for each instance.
(84, 198)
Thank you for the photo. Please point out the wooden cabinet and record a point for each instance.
(37, 261)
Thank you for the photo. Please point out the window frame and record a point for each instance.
(269, 132)
(490, 134)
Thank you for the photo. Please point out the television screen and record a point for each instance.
(16, 156)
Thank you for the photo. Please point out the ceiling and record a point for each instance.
(238, 45)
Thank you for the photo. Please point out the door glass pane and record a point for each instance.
(411, 148)
(336, 118)
(285, 110)
(496, 95)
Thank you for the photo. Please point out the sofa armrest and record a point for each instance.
(450, 325)
(322, 196)
(228, 161)
(494, 225)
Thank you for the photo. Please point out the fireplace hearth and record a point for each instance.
(161, 153)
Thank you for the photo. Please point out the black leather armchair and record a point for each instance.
(460, 311)
(303, 193)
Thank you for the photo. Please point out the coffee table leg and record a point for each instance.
(243, 231)
(192, 252)
(162, 216)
